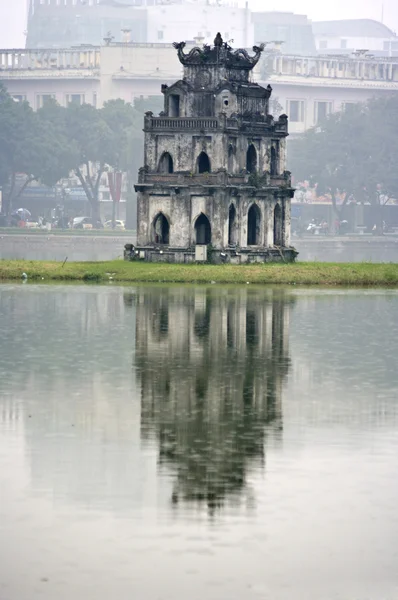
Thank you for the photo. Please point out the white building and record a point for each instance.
(335, 37)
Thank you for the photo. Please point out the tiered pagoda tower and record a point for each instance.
(214, 186)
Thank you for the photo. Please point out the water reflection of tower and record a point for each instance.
(211, 365)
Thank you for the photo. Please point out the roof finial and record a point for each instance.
(218, 42)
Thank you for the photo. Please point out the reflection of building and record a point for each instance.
(211, 364)
(214, 165)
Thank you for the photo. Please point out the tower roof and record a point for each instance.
(220, 54)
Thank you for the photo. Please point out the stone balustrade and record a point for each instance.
(87, 58)
(182, 123)
(359, 66)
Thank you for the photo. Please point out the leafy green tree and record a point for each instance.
(29, 150)
(97, 140)
(353, 152)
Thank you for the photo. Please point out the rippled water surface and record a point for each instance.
(165, 443)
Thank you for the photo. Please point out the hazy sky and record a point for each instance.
(13, 13)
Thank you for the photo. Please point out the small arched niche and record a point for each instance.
(253, 226)
(166, 163)
(161, 229)
(203, 163)
(278, 226)
(202, 230)
(251, 159)
(232, 237)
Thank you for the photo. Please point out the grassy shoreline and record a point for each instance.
(325, 274)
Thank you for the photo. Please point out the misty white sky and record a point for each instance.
(13, 14)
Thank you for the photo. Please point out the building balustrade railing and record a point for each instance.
(52, 59)
(182, 123)
(208, 123)
(359, 67)
(221, 177)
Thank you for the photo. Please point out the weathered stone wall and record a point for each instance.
(183, 209)
(185, 148)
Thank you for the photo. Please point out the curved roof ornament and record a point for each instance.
(220, 54)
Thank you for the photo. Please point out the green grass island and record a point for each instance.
(322, 274)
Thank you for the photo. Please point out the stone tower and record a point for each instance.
(214, 185)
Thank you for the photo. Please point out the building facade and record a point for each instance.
(60, 23)
(214, 166)
(351, 35)
(306, 88)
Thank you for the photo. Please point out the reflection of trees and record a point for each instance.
(211, 377)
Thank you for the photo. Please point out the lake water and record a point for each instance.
(165, 443)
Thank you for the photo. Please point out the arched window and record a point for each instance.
(203, 165)
(251, 159)
(278, 226)
(274, 161)
(230, 159)
(253, 226)
(166, 163)
(161, 230)
(203, 230)
(232, 226)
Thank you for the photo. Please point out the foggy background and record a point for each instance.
(13, 15)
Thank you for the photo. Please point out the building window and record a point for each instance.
(322, 110)
(166, 163)
(296, 111)
(203, 230)
(203, 164)
(232, 226)
(161, 229)
(323, 44)
(160, 35)
(253, 226)
(343, 44)
(174, 105)
(231, 159)
(278, 226)
(19, 97)
(274, 160)
(251, 159)
(349, 107)
(42, 99)
(95, 99)
(75, 99)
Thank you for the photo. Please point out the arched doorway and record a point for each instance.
(161, 230)
(251, 159)
(274, 161)
(253, 226)
(278, 229)
(203, 230)
(232, 226)
(203, 163)
(166, 163)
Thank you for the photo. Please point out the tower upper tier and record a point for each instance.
(216, 80)
(221, 59)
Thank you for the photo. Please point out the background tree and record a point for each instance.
(352, 153)
(29, 150)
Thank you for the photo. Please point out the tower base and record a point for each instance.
(235, 256)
